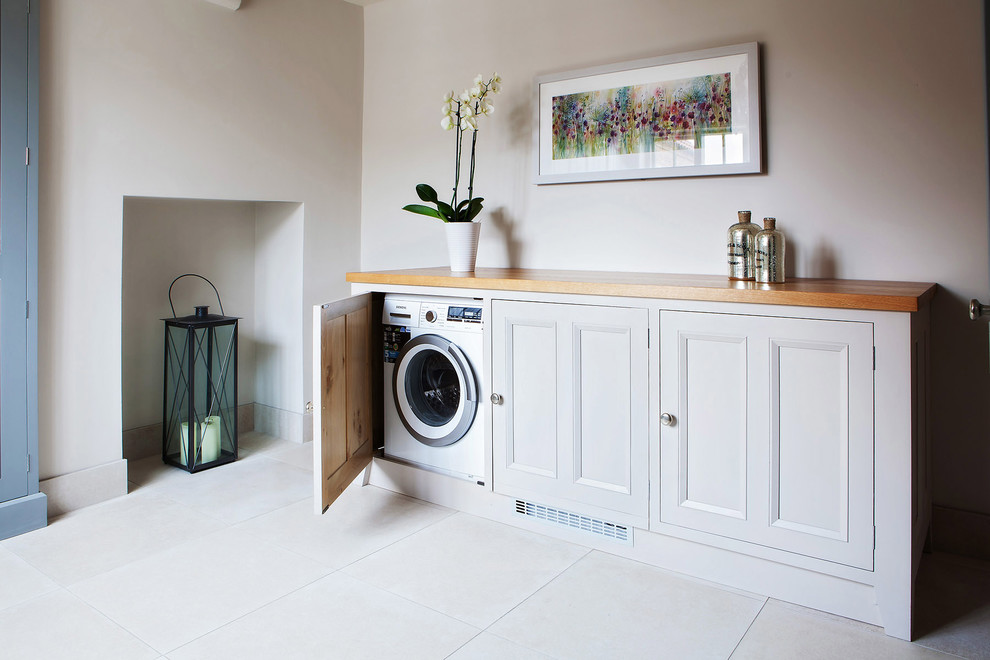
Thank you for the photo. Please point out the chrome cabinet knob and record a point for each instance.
(496, 399)
(977, 310)
(667, 419)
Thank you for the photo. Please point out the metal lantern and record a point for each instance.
(199, 415)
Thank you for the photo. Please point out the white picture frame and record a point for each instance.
(689, 114)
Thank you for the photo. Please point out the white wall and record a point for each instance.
(278, 305)
(876, 157)
(164, 238)
(179, 99)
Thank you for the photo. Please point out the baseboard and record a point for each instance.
(76, 490)
(961, 532)
(23, 515)
(284, 424)
(146, 441)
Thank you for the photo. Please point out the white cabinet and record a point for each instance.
(572, 428)
(796, 461)
(770, 438)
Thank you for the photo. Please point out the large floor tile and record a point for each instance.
(299, 455)
(490, 647)
(788, 631)
(19, 581)
(470, 568)
(255, 443)
(96, 539)
(234, 492)
(609, 607)
(59, 625)
(337, 617)
(175, 596)
(361, 521)
(952, 605)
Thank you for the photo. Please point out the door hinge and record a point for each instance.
(874, 537)
(27, 156)
(647, 337)
(874, 358)
(29, 463)
(27, 309)
(29, 6)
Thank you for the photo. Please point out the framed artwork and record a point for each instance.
(690, 114)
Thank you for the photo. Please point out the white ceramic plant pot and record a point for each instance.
(462, 245)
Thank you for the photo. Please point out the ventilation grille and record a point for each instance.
(562, 518)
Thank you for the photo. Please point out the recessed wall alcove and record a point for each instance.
(253, 253)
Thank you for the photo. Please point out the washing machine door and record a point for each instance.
(435, 390)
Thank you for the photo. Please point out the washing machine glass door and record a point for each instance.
(435, 390)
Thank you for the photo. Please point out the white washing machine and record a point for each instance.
(434, 417)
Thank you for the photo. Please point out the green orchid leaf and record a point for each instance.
(426, 193)
(465, 210)
(424, 210)
(474, 208)
(447, 210)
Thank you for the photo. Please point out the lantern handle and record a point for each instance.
(200, 277)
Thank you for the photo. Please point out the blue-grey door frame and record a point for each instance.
(22, 506)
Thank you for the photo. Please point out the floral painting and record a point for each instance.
(641, 118)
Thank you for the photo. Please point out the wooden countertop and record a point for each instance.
(846, 294)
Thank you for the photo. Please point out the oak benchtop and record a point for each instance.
(804, 292)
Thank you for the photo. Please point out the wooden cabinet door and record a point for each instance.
(347, 386)
(574, 422)
(771, 439)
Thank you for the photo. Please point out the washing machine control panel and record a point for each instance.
(450, 317)
(395, 337)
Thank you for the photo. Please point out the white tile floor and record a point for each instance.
(232, 563)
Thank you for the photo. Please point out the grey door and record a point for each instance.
(18, 227)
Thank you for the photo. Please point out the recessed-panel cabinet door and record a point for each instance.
(572, 421)
(770, 434)
(821, 439)
(525, 374)
(708, 446)
(345, 386)
(608, 422)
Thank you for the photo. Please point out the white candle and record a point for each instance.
(211, 439)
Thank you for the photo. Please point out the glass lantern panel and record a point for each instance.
(201, 394)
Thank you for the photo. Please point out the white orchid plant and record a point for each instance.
(460, 114)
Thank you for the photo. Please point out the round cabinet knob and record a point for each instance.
(431, 316)
(496, 399)
(667, 419)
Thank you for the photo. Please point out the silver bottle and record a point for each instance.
(741, 244)
(770, 253)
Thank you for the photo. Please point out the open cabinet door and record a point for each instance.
(344, 419)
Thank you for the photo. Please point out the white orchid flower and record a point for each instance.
(465, 96)
(448, 97)
(446, 123)
(476, 91)
(467, 111)
(479, 79)
(469, 123)
(487, 109)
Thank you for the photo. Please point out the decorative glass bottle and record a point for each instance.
(770, 253)
(742, 248)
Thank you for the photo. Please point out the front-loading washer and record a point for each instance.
(434, 415)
